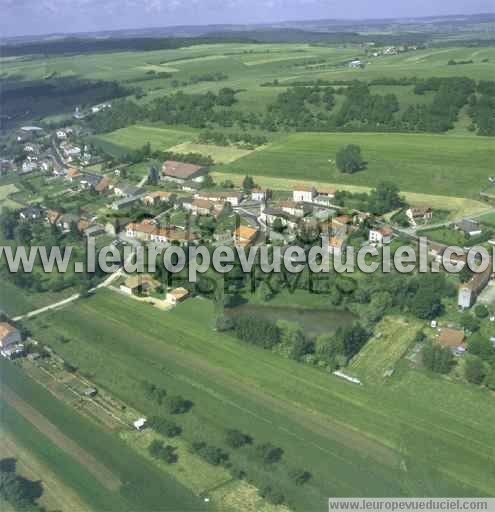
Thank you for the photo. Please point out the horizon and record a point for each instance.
(47, 18)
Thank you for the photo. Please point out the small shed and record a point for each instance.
(140, 423)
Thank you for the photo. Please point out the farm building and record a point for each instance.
(468, 292)
(304, 193)
(181, 172)
(177, 295)
(381, 236)
(451, 338)
(245, 236)
(141, 284)
(9, 335)
(234, 198)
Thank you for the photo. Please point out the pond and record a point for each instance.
(313, 321)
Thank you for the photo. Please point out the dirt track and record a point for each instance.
(98, 470)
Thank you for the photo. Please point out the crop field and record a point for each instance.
(450, 165)
(95, 464)
(393, 336)
(136, 136)
(409, 445)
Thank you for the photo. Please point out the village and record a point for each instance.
(179, 203)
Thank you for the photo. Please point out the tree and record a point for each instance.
(437, 358)
(158, 450)
(272, 494)
(153, 176)
(176, 404)
(473, 369)
(349, 159)
(300, 476)
(481, 311)
(236, 439)
(469, 322)
(269, 454)
(164, 426)
(248, 183)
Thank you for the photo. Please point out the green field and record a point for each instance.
(136, 136)
(406, 438)
(98, 452)
(219, 154)
(432, 164)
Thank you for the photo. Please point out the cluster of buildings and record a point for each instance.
(11, 345)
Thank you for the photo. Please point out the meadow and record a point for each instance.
(404, 438)
(424, 163)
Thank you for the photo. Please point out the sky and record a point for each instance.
(30, 17)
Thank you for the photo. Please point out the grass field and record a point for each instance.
(220, 154)
(76, 450)
(406, 438)
(450, 165)
(382, 352)
(136, 136)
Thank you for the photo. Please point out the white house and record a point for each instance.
(61, 134)
(304, 194)
(355, 64)
(9, 335)
(258, 194)
(140, 423)
(381, 236)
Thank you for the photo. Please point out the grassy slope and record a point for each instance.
(144, 487)
(353, 439)
(455, 166)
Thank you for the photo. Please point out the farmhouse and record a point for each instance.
(154, 198)
(9, 335)
(72, 174)
(270, 215)
(416, 215)
(103, 185)
(89, 181)
(245, 236)
(259, 194)
(141, 284)
(126, 190)
(181, 172)
(451, 338)
(177, 295)
(148, 232)
(303, 193)
(381, 236)
(295, 209)
(468, 292)
(234, 198)
(128, 202)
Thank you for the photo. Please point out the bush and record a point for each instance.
(481, 311)
(474, 370)
(236, 439)
(269, 454)
(158, 450)
(178, 405)
(300, 476)
(164, 426)
(211, 454)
